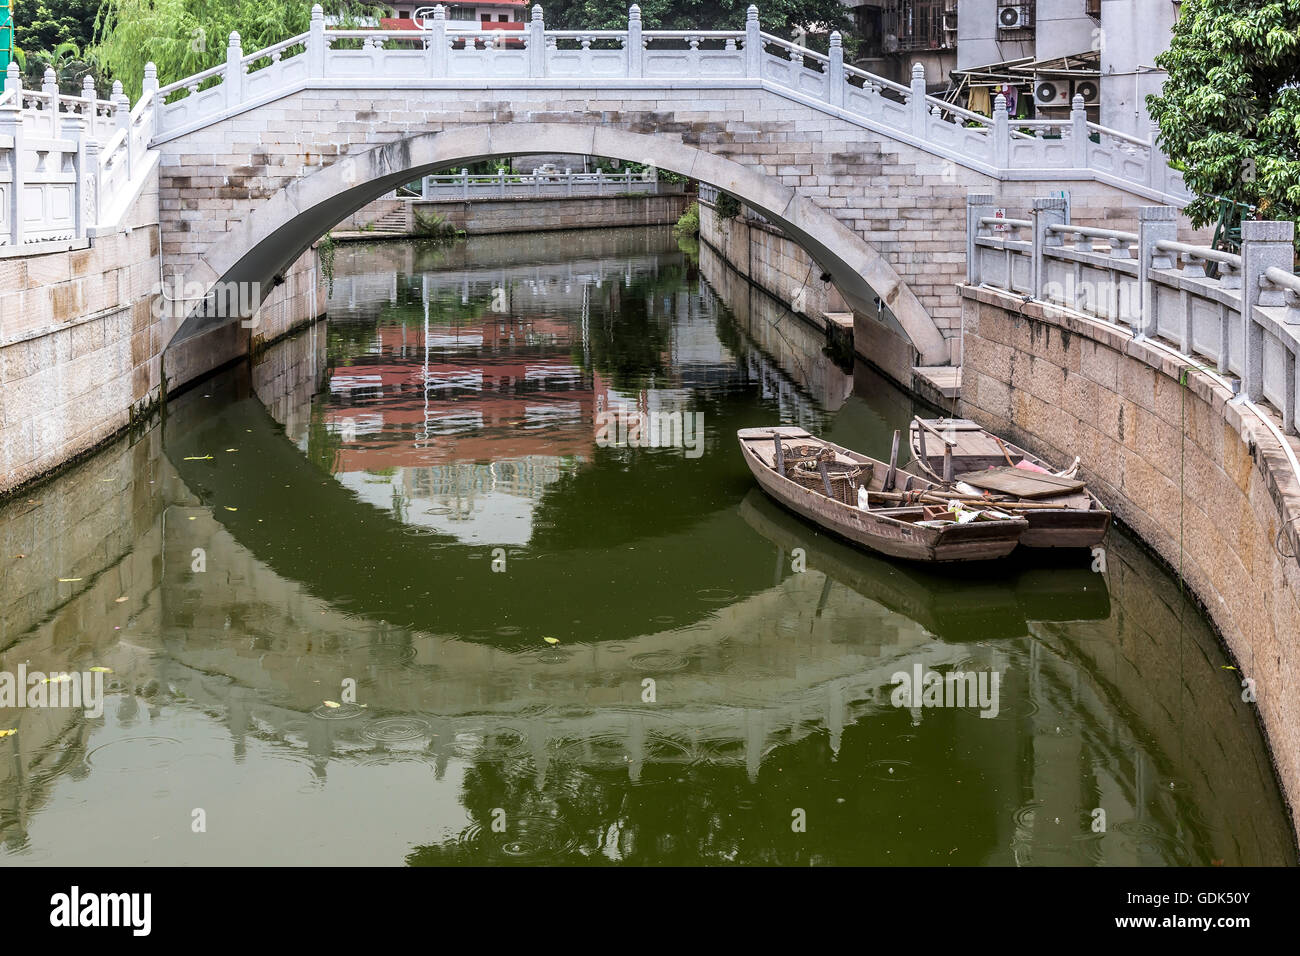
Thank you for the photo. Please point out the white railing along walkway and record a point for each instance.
(69, 165)
(1244, 319)
(463, 186)
(443, 57)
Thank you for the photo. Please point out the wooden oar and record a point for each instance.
(938, 498)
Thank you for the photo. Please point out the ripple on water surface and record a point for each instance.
(133, 754)
(526, 839)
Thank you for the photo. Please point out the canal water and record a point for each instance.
(408, 589)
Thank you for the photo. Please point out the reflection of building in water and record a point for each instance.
(479, 386)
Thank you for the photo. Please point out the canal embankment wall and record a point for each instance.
(82, 339)
(384, 218)
(1197, 475)
(783, 269)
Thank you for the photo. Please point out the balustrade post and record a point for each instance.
(90, 106)
(11, 126)
(1001, 133)
(233, 79)
(122, 120)
(1155, 224)
(90, 195)
(753, 44)
(14, 82)
(435, 44)
(916, 102)
(464, 184)
(1158, 163)
(1264, 245)
(316, 43)
(426, 187)
(74, 126)
(537, 43)
(501, 183)
(1079, 132)
(50, 87)
(835, 72)
(1046, 211)
(150, 84)
(635, 45)
(978, 205)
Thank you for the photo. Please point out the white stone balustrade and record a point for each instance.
(463, 186)
(69, 164)
(1243, 316)
(440, 56)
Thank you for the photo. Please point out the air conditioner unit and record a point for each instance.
(1051, 92)
(1014, 17)
(1090, 90)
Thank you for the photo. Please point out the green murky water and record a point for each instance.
(324, 590)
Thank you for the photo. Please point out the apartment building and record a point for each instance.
(1039, 53)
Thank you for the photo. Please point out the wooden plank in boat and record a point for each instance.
(1021, 483)
(954, 424)
(975, 445)
(785, 431)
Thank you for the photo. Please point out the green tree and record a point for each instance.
(69, 66)
(1229, 114)
(45, 24)
(184, 37)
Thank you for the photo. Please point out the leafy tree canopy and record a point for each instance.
(45, 24)
(183, 37)
(1229, 113)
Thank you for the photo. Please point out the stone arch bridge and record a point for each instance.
(259, 157)
(256, 158)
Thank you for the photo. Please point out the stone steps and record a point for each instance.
(392, 223)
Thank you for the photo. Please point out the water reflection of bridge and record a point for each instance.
(1124, 709)
(793, 665)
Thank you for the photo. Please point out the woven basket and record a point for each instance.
(844, 479)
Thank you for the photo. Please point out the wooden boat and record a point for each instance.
(1061, 511)
(917, 530)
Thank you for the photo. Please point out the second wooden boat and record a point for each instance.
(964, 457)
(821, 481)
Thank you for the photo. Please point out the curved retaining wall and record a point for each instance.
(1199, 478)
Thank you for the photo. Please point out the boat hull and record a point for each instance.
(974, 541)
(1048, 528)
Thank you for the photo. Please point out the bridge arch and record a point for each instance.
(284, 226)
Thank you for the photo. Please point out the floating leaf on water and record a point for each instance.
(8, 733)
(57, 680)
(198, 458)
(550, 640)
(194, 517)
(331, 703)
(68, 580)
(101, 670)
(232, 449)
(228, 508)
(120, 600)
(1226, 667)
